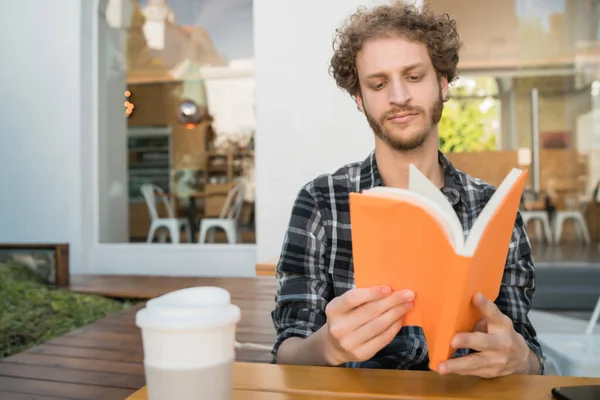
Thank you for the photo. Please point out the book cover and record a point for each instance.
(412, 239)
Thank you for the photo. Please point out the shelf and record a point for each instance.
(146, 132)
(149, 149)
(149, 165)
(149, 159)
(234, 153)
(225, 167)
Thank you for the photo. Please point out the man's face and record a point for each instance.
(401, 94)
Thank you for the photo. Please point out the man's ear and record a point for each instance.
(359, 101)
(444, 87)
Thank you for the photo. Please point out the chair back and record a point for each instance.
(569, 193)
(232, 207)
(149, 192)
(532, 200)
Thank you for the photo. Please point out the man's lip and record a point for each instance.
(402, 115)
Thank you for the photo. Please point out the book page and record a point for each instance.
(419, 183)
(509, 184)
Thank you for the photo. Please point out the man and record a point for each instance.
(396, 61)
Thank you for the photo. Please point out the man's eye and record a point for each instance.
(414, 78)
(378, 86)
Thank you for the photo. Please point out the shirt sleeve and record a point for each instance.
(518, 287)
(305, 286)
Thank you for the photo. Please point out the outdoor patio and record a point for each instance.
(104, 360)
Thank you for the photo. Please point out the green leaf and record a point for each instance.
(466, 125)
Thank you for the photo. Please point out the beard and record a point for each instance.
(413, 141)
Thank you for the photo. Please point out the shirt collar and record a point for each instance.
(453, 187)
(369, 173)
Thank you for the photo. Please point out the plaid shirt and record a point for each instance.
(316, 261)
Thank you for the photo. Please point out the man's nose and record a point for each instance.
(399, 93)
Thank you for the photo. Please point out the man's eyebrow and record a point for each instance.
(377, 75)
(405, 69)
(414, 66)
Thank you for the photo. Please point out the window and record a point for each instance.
(174, 115)
(176, 121)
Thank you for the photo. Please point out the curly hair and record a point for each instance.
(437, 32)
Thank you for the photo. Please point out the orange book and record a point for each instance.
(413, 239)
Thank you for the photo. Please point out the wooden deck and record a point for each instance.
(148, 287)
(104, 360)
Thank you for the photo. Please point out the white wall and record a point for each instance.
(305, 124)
(113, 199)
(40, 123)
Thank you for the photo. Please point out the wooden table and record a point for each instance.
(285, 382)
(239, 394)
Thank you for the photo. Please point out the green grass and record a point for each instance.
(32, 312)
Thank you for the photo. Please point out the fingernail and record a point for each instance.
(385, 290)
(408, 295)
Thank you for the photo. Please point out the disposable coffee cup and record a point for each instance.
(189, 344)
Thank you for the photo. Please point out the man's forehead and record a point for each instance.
(381, 55)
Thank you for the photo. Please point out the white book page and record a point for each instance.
(453, 232)
(488, 211)
(419, 183)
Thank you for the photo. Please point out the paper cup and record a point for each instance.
(189, 344)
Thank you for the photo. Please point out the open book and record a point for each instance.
(413, 239)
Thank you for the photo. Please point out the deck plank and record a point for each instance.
(24, 396)
(49, 372)
(90, 343)
(85, 352)
(83, 364)
(147, 287)
(104, 360)
(62, 390)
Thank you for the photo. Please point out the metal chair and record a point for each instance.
(171, 223)
(228, 218)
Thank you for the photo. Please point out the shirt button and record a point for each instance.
(419, 351)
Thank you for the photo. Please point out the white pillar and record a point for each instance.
(40, 123)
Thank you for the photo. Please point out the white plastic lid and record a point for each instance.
(189, 309)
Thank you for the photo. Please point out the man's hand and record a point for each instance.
(363, 321)
(501, 350)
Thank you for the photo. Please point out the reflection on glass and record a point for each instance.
(471, 117)
(512, 49)
(177, 113)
